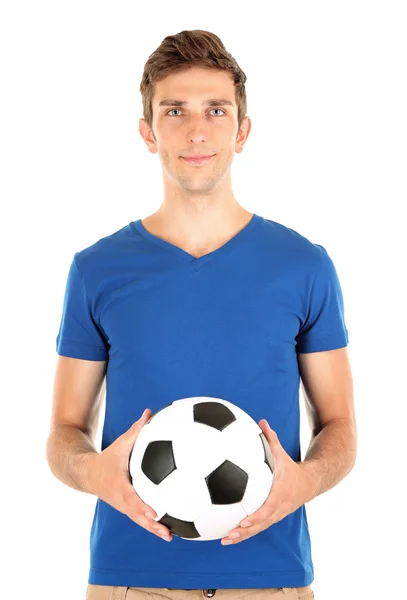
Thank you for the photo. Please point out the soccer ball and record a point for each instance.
(203, 464)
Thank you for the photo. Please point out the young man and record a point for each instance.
(201, 298)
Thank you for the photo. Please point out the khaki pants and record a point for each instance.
(109, 592)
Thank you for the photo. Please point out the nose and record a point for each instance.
(197, 130)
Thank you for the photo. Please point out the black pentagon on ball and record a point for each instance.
(227, 483)
(268, 457)
(213, 414)
(185, 529)
(158, 461)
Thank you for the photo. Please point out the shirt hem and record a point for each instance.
(80, 350)
(130, 578)
(321, 344)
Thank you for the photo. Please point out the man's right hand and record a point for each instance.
(110, 477)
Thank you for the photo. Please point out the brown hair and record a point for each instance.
(196, 48)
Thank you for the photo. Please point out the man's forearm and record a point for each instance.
(68, 452)
(330, 456)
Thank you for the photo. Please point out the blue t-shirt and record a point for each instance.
(228, 325)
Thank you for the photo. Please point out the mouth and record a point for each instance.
(198, 160)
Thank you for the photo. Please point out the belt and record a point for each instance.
(207, 593)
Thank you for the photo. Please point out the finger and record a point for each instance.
(266, 510)
(257, 521)
(150, 517)
(156, 527)
(270, 434)
(129, 437)
(145, 516)
(238, 535)
(260, 515)
(277, 451)
(137, 425)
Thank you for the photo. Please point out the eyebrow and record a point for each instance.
(210, 102)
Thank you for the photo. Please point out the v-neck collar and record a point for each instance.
(197, 262)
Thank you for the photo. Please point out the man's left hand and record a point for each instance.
(291, 488)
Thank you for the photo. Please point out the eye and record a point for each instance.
(223, 112)
(172, 110)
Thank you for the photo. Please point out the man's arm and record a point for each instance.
(328, 391)
(78, 392)
(71, 453)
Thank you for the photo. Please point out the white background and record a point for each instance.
(326, 156)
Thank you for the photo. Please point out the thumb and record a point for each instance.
(129, 437)
(273, 441)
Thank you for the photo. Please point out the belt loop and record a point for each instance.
(119, 592)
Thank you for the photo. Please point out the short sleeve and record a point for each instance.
(79, 335)
(324, 327)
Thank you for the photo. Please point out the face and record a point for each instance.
(195, 128)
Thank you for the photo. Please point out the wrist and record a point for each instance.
(310, 481)
(87, 466)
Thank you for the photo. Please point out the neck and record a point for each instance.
(197, 229)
